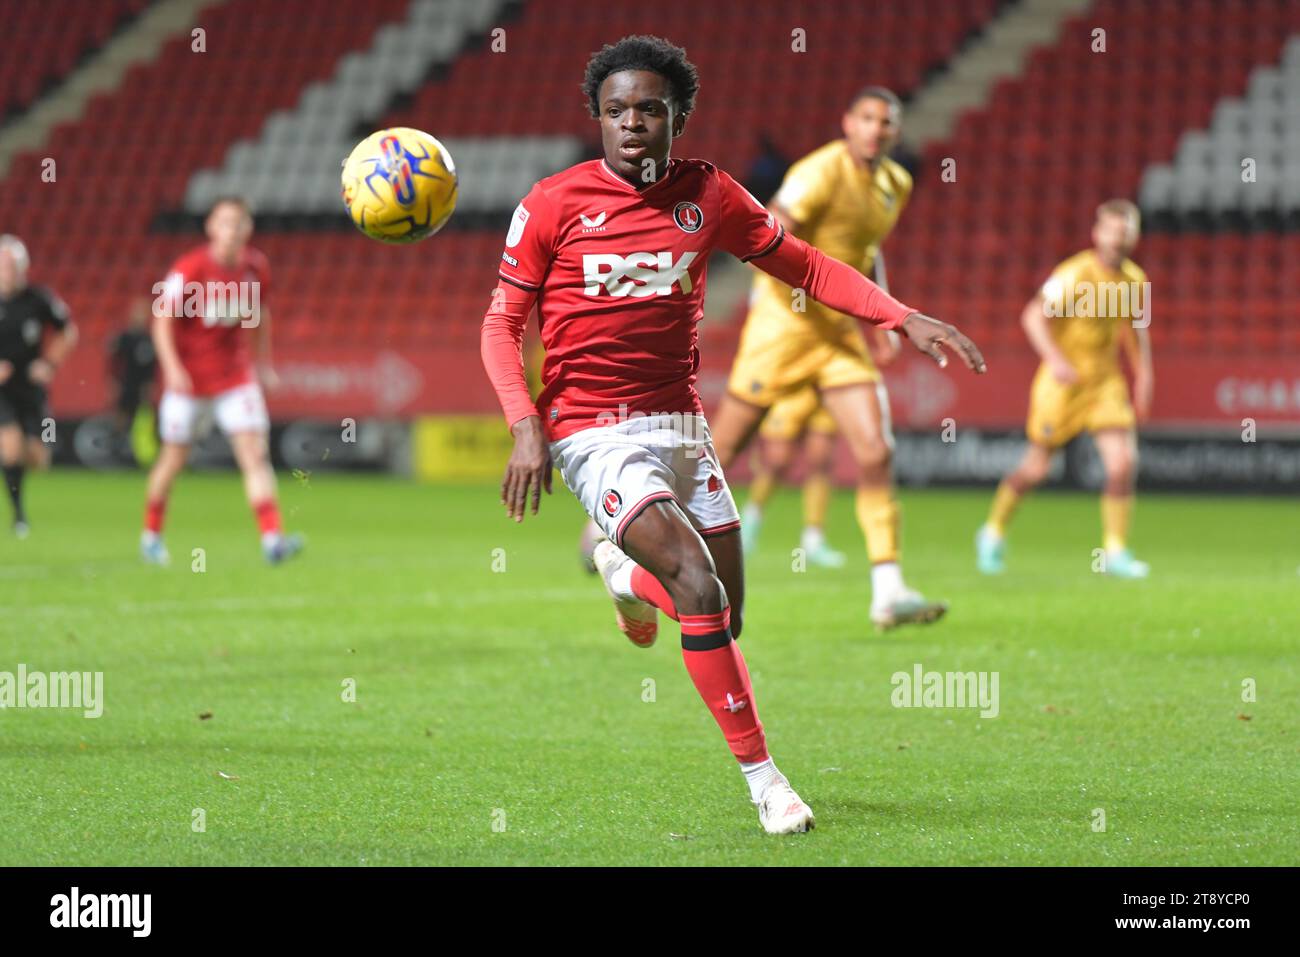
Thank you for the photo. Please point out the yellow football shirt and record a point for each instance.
(1087, 302)
(843, 209)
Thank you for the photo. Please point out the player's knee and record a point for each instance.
(693, 583)
(874, 457)
(1029, 476)
(173, 458)
(776, 466)
(252, 453)
(736, 621)
(1119, 477)
(1031, 473)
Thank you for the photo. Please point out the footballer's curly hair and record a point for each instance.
(643, 53)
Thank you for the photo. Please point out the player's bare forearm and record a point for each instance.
(1034, 321)
(164, 343)
(265, 367)
(41, 370)
(264, 336)
(1138, 346)
(1142, 363)
(61, 344)
(529, 468)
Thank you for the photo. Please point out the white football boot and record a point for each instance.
(637, 619)
(905, 606)
(781, 811)
(152, 549)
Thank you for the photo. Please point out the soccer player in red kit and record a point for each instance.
(613, 254)
(212, 303)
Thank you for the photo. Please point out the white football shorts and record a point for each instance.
(617, 471)
(181, 417)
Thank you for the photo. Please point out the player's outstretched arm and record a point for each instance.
(175, 378)
(501, 346)
(266, 373)
(1033, 319)
(844, 289)
(41, 371)
(1136, 341)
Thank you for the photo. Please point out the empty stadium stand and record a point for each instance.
(1160, 114)
(1079, 126)
(132, 153)
(56, 35)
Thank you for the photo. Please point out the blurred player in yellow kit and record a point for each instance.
(1093, 305)
(798, 419)
(843, 198)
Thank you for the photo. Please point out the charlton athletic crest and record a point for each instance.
(688, 217)
(612, 502)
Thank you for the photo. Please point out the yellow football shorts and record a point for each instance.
(781, 353)
(791, 415)
(1057, 413)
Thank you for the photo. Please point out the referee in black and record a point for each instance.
(132, 364)
(28, 358)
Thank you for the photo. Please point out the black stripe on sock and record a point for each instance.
(709, 642)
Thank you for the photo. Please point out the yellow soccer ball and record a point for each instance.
(399, 185)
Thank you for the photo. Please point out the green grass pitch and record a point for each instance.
(499, 717)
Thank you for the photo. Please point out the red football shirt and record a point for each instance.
(620, 276)
(208, 302)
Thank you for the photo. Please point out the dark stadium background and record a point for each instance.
(265, 97)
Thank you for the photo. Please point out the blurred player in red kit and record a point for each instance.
(213, 301)
(613, 254)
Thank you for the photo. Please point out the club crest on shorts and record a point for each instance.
(714, 484)
(612, 502)
(688, 217)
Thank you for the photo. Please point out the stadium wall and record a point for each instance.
(1209, 394)
(1219, 423)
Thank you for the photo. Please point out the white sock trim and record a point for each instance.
(759, 775)
(812, 538)
(620, 580)
(886, 579)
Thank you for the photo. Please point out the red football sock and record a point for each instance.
(718, 669)
(154, 511)
(646, 587)
(268, 516)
